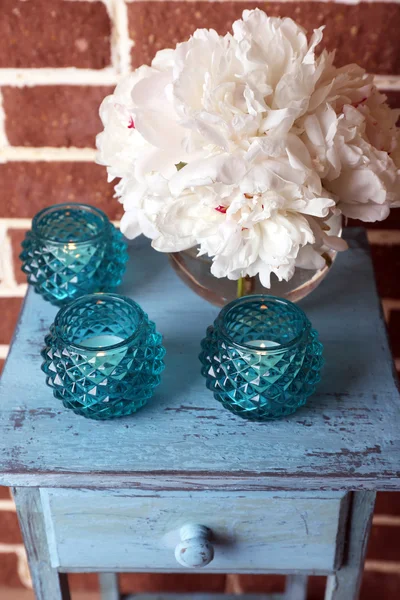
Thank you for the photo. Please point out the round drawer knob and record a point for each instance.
(195, 551)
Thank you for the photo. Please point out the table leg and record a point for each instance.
(109, 587)
(296, 587)
(47, 582)
(345, 583)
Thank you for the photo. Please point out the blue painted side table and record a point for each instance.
(184, 483)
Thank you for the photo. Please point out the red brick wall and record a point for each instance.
(58, 59)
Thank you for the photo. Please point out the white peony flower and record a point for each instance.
(245, 144)
(364, 179)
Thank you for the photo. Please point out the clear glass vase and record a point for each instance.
(73, 249)
(261, 358)
(103, 356)
(195, 272)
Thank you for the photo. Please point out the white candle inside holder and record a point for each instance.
(262, 344)
(101, 341)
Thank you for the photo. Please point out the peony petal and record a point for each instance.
(281, 119)
(158, 130)
(222, 168)
(317, 207)
(368, 211)
(359, 186)
(130, 225)
(157, 160)
(169, 244)
(315, 40)
(308, 258)
(334, 242)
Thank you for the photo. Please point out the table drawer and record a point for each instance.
(250, 532)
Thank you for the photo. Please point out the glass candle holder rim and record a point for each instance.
(99, 296)
(70, 205)
(250, 347)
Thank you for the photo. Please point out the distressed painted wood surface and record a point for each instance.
(121, 530)
(347, 437)
(345, 583)
(109, 586)
(296, 587)
(48, 584)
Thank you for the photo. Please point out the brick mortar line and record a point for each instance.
(17, 292)
(233, 584)
(24, 223)
(9, 288)
(4, 348)
(7, 277)
(386, 521)
(63, 76)
(7, 506)
(4, 548)
(384, 237)
(17, 223)
(3, 135)
(389, 304)
(121, 44)
(46, 153)
(74, 154)
(25, 77)
(390, 567)
(22, 562)
(388, 83)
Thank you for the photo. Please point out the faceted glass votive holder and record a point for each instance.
(72, 250)
(103, 356)
(261, 358)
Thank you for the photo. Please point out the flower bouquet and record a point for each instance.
(247, 147)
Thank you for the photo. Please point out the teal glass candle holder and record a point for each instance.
(261, 358)
(103, 356)
(72, 250)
